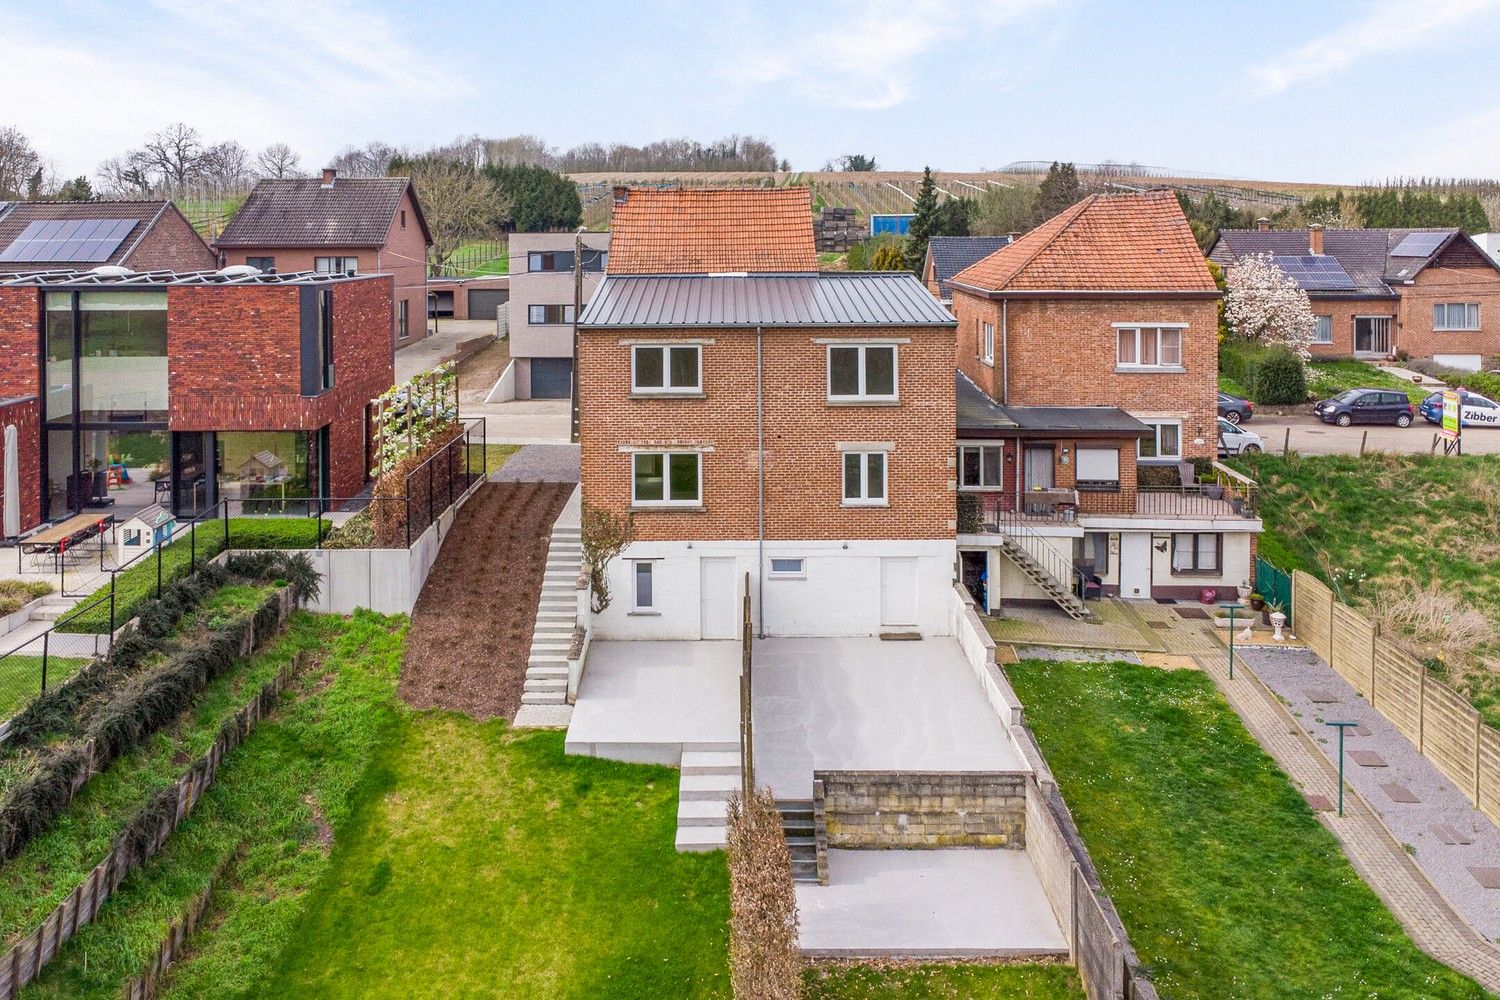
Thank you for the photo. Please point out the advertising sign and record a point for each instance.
(1452, 427)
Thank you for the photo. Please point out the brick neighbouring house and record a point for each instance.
(40, 236)
(948, 255)
(360, 224)
(1380, 293)
(214, 383)
(711, 333)
(1088, 366)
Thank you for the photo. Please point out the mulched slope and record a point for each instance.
(470, 633)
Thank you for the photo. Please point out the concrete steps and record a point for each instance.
(53, 607)
(710, 775)
(556, 621)
(800, 827)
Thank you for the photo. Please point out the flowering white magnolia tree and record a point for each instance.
(407, 416)
(1262, 303)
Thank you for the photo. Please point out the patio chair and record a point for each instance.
(1187, 475)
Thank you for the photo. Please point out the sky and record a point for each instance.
(1312, 90)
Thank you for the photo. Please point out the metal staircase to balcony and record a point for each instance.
(1043, 565)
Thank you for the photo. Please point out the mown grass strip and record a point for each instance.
(942, 981)
(1227, 884)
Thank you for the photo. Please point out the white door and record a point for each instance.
(898, 592)
(1135, 564)
(716, 596)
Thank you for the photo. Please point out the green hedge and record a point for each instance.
(1484, 383)
(1271, 375)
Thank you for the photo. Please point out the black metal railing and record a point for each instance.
(1200, 500)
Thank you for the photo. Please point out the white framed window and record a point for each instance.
(788, 568)
(666, 479)
(987, 344)
(862, 372)
(336, 265)
(643, 585)
(864, 479)
(666, 368)
(981, 466)
(1148, 346)
(549, 314)
(1455, 316)
(1163, 444)
(1195, 552)
(1098, 469)
(1323, 331)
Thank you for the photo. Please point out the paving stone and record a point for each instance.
(1450, 835)
(1398, 793)
(1487, 877)
(1367, 758)
(1319, 803)
(1318, 696)
(1360, 730)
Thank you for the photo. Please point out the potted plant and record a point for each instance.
(1277, 618)
(1257, 602)
(1214, 491)
(1244, 591)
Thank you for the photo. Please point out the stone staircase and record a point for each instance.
(710, 775)
(799, 824)
(1060, 591)
(54, 606)
(556, 620)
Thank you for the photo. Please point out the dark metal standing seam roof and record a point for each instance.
(874, 298)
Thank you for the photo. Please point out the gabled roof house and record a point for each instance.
(37, 236)
(948, 255)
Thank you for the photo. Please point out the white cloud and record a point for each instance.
(864, 55)
(1394, 26)
(317, 77)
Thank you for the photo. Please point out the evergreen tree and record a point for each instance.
(888, 257)
(541, 200)
(923, 223)
(1059, 189)
(77, 189)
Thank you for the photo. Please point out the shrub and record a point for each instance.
(857, 259)
(968, 514)
(357, 532)
(15, 594)
(764, 962)
(1483, 382)
(1281, 378)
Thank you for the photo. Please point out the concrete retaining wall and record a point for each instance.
(892, 809)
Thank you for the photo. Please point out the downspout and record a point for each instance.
(1005, 351)
(760, 484)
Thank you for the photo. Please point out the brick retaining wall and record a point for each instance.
(896, 809)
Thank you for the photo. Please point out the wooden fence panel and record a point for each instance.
(1487, 787)
(1312, 609)
(1397, 688)
(1448, 734)
(1353, 647)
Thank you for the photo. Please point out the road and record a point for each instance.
(1312, 437)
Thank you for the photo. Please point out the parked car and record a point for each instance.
(1234, 409)
(1474, 410)
(1366, 406)
(1235, 440)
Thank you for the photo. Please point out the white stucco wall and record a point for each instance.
(838, 595)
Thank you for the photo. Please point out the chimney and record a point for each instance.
(622, 194)
(1315, 239)
(329, 175)
(1262, 225)
(1011, 237)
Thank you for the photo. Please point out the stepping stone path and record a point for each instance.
(1487, 877)
(1450, 835)
(1318, 696)
(1398, 793)
(1367, 758)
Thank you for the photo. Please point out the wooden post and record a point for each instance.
(1363, 437)
(1478, 734)
(1286, 443)
(1421, 709)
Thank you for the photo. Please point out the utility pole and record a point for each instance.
(577, 308)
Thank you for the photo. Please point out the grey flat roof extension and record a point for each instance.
(980, 415)
(667, 301)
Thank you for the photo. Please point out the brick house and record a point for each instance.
(1380, 293)
(1088, 367)
(61, 235)
(338, 224)
(712, 339)
(948, 255)
(188, 388)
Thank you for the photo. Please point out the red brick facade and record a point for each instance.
(172, 244)
(1062, 352)
(803, 431)
(25, 414)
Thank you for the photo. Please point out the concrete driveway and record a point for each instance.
(1311, 436)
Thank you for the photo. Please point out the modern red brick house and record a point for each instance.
(338, 224)
(713, 340)
(1088, 367)
(186, 388)
(1380, 293)
(62, 235)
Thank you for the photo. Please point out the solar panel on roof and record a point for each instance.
(80, 240)
(1418, 244)
(1315, 272)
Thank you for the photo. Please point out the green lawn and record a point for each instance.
(1227, 884)
(138, 583)
(1229, 385)
(478, 857)
(1331, 377)
(1389, 525)
(21, 679)
(480, 258)
(943, 982)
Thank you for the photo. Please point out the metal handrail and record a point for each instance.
(1052, 562)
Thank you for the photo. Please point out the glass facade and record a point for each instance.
(259, 471)
(123, 355)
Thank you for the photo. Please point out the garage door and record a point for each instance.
(483, 301)
(551, 378)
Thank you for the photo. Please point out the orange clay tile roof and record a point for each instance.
(1105, 243)
(712, 231)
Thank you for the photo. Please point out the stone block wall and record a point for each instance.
(930, 809)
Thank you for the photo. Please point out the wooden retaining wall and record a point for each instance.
(1439, 721)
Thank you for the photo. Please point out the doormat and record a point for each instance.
(1164, 600)
(1193, 613)
(900, 636)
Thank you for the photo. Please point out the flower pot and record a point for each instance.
(1278, 622)
(1258, 603)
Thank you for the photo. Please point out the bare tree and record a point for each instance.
(371, 160)
(458, 201)
(176, 155)
(278, 160)
(227, 165)
(19, 162)
(125, 175)
(519, 151)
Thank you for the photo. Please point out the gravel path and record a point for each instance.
(540, 463)
(1297, 677)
